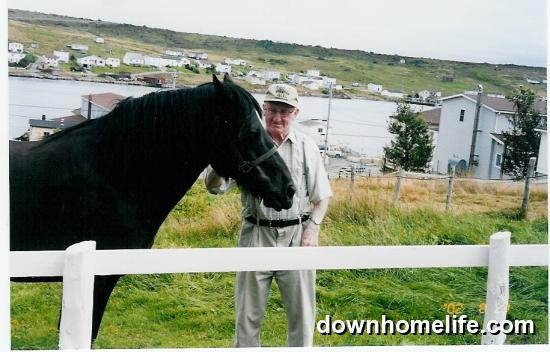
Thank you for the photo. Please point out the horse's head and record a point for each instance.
(244, 151)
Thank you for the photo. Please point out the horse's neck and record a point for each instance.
(156, 173)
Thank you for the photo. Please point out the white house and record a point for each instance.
(100, 105)
(329, 81)
(14, 58)
(542, 162)
(313, 85)
(392, 93)
(198, 56)
(456, 127)
(100, 40)
(173, 52)
(51, 61)
(62, 56)
(112, 62)
(223, 68)
(153, 61)
(253, 79)
(376, 88)
(90, 61)
(80, 47)
(131, 59)
(317, 129)
(15, 47)
(313, 73)
(237, 62)
(203, 63)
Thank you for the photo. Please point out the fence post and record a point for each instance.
(75, 330)
(525, 200)
(450, 190)
(496, 303)
(352, 184)
(397, 186)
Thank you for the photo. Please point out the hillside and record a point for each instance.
(54, 32)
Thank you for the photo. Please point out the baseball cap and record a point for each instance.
(282, 93)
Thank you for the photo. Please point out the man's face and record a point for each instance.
(278, 117)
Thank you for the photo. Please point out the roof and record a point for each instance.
(498, 104)
(51, 124)
(498, 137)
(312, 122)
(105, 100)
(72, 118)
(432, 116)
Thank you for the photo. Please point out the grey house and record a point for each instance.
(455, 133)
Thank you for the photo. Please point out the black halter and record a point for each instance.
(246, 166)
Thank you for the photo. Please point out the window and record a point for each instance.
(320, 130)
(462, 111)
(498, 160)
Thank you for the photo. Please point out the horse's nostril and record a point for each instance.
(290, 191)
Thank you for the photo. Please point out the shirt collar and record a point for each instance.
(291, 136)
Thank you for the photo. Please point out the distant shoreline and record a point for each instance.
(13, 73)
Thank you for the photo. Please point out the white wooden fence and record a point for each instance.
(80, 262)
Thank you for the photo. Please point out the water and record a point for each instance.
(358, 124)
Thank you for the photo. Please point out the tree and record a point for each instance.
(411, 148)
(522, 141)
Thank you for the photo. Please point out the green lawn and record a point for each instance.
(196, 310)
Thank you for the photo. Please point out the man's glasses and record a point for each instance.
(282, 112)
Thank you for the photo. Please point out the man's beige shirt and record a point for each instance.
(296, 149)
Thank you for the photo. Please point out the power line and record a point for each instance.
(41, 107)
(359, 135)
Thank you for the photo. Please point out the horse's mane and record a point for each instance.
(163, 108)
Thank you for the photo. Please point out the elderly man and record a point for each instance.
(265, 227)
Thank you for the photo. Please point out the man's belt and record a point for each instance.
(277, 223)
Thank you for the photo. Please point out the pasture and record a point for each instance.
(196, 310)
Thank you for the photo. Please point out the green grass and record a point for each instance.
(197, 310)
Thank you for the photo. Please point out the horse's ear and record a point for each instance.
(217, 84)
(227, 78)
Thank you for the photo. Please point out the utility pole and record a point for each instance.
(328, 123)
(475, 130)
(90, 106)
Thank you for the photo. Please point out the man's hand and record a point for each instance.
(310, 236)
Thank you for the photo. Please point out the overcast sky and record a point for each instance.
(495, 31)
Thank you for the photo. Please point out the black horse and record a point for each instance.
(115, 179)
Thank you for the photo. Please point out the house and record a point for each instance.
(392, 93)
(41, 128)
(15, 47)
(154, 80)
(313, 73)
(236, 62)
(542, 162)
(432, 118)
(133, 59)
(376, 88)
(316, 129)
(90, 61)
(455, 133)
(270, 75)
(327, 82)
(112, 62)
(253, 79)
(313, 85)
(153, 61)
(99, 104)
(62, 56)
(173, 52)
(532, 81)
(173, 61)
(50, 61)
(203, 63)
(223, 68)
(447, 78)
(35, 45)
(80, 47)
(100, 40)
(402, 61)
(14, 58)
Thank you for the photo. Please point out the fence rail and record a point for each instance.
(80, 262)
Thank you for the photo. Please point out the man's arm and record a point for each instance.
(215, 184)
(310, 236)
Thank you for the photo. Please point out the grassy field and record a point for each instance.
(196, 310)
(348, 66)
